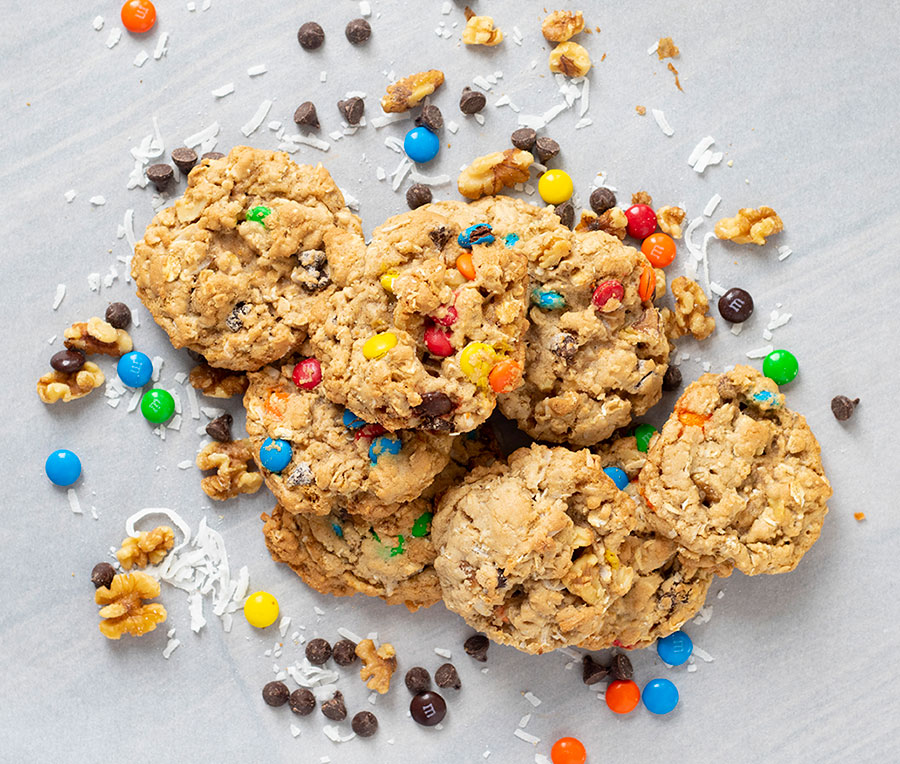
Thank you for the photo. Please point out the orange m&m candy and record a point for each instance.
(505, 376)
(623, 696)
(568, 750)
(465, 265)
(647, 284)
(659, 249)
(138, 16)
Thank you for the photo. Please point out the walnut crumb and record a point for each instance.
(218, 383)
(570, 59)
(642, 197)
(613, 222)
(378, 665)
(58, 386)
(480, 30)
(666, 48)
(488, 174)
(671, 67)
(147, 548)
(97, 336)
(125, 611)
(750, 226)
(407, 92)
(691, 311)
(560, 26)
(232, 462)
(670, 219)
(642, 110)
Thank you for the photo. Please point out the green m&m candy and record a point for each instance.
(157, 406)
(780, 366)
(642, 434)
(258, 214)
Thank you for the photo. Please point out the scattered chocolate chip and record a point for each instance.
(102, 574)
(364, 724)
(591, 671)
(736, 305)
(118, 315)
(502, 580)
(417, 679)
(427, 708)
(335, 709)
(602, 199)
(447, 676)
(67, 361)
(564, 345)
(344, 652)
(523, 138)
(621, 668)
(842, 407)
(440, 236)
(235, 321)
(160, 175)
(310, 36)
(471, 101)
(434, 404)
(276, 693)
(352, 109)
(430, 117)
(302, 701)
(220, 428)
(545, 148)
(184, 158)
(312, 274)
(318, 651)
(566, 214)
(306, 115)
(477, 646)
(210, 156)
(358, 31)
(671, 379)
(417, 195)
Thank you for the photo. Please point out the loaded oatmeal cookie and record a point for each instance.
(737, 476)
(232, 269)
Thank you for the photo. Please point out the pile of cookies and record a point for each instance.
(372, 371)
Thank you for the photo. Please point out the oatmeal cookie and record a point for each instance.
(736, 475)
(232, 269)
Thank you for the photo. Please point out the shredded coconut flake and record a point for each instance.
(532, 698)
(702, 146)
(204, 135)
(347, 634)
(443, 652)
(583, 123)
(255, 71)
(162, 46)
(653, 48)
(522, 735)
(663, 123)
(140, 59)
(170, 647)
(711, 205)
(98, 200)
(429, 180)
(74, 504)
(257, 119)
(223, 91)
(758, 353)
(98, 23)
(114, 36)
(479, 118)
(60, 295)
(387, 119)
(284, 624)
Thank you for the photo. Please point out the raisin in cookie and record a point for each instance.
(596, 351)
(231, 269)
(528, 552)
(737, 476)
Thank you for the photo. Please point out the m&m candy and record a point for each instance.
(465, 265)
(351, 421)
(378, 345)
(261, 609)
(387, 280)
(275, 455)
(568, 750)
(421, 145)
(618, 476)
(157, 405)
(505, 376)
(384, 444)
(659, 249)
(138, 16)
(611, 289)
(641, 220)
(622, 697)
(675, 649)
(660, 696)
(307, 373)
(135, 369)
(780, 366)
(642, 434)
(63, 467)
(438, 342)
(476, 361)
(555, 186)
(480, 233)
(547, 299)
(258, 214)
(647, 284)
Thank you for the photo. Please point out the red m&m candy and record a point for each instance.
(641, 220)
(438, 342)
(308, 373)
(610, 289)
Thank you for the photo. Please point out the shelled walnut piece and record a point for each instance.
(570, 59)
(148, 547)
(231, 462)
(57, 386)
(217, 383)
(642, 197)
(378, 665)
(97, 336)
(691, 309)
(480, 30)
(125, 611)
(488, 174)
(613, 222)
(666, 48)
(407, 92)
(670, 219)
(750, 226)
(560, 26)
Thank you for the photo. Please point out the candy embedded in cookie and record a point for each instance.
(736, 475)
(232, 270)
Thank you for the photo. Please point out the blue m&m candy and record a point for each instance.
(384, 444)
(660, 696)
(421, 145)
(275, 455)
(480, 233)
(351, 421)
(618, 477)
(135, 369)
(547, 299)
(675, 649)
(63, 467)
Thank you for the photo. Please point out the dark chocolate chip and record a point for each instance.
(471, 101)
(564, 345)
(118, 315)
(417, 195)
(310, 36)
(434, 404)
(102, 574)
(602, 199)
(417, 679)
(440, 236)
(344, 652)
(312, 274)
(352, 109)
(591, 671)
(300, 475)
(220, 428)
(302, 701)
(235, 321)
(276, 693)
(212, 155)
(671, 379)
(545, 148)
(436, 424)
(427, 708)
(430, 117)
(184, 158)
(736, 305)
(364, 724)
(447, 676)
(318, 651)
(621, 668)
(566, 214)
(477, 646)
(523, 138)
(67, 361)
(842, 407)
(502, 580)
(358, 31)
(306, 115)
(160, 175)
(335, 709)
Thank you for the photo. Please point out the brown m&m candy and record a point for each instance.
(427, 708)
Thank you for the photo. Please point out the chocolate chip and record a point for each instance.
(430, 117)
(523, 138)
(312, 274)
(545, 148)
(310, 36)
(417, 195)
(335, 709)
(344, 652)
(591, 671)
(306, 115)
(736, 305)
(364, 724)
(220, 428)
(440, 236)
(352, 109)
(671, 379)
(102, 574)
(477, 646)
(502, 580)
(447, 676)
(210, 156)
(184, 158)
(842, 407)
(417, 679)
(621, 668)
(235, 321)
(302, 701)
(160, 175)
(602, 199)
(358, 31)
(427, 708)
(566, 214)
(434, 404)
(300, 475)
(564, 345)
(318, 651)
(118, 315)
(67, 361)
(471, 101)
(276, 693)
(435, 424)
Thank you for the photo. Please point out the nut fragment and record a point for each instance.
(560, 26)
(690, 314)
(148, 547)
(571, 59)
(406, 93)
(125, 611)
(56, 386)
(642, 197)
(218, 383)
(666, 48)
(97, 336)
(232, 462)
(480, 31)
(487, 174)
(378, 665)
(750, 226)
(670, 219)
(613, 222)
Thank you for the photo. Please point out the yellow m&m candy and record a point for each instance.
(387, 280)
(476, 361)
(555, 186)
(261, 609)
(377, 346)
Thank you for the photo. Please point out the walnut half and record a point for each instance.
(125, 611)
(148, 547)
(480, 31)
(571, 59)
(57, 386)
(97, 336)
(691, 309)
(750, 226)
(560, 26)
(406, 93)
(613, 222)
(488, 174)
(670, 219)
(232, 462)
(378, 665)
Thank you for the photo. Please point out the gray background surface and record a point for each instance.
(802, 96)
